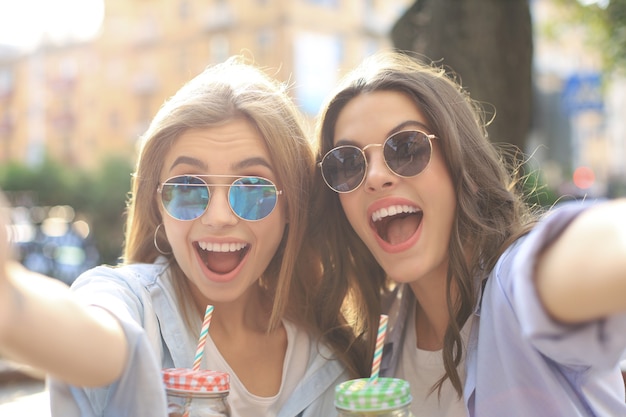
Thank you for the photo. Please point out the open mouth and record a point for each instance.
(396, 224)
(221, 258)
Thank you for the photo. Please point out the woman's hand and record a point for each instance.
(582, 275)
(4, 239)
(10, 296)
(5, 289)
(44, 326)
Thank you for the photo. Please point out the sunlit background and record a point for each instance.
(26, 24)
(80, 81)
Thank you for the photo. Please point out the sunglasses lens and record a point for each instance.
(185, 197)
(252, 198)
(407, 153)
(343, 168)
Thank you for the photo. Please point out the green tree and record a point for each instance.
(48, 184)
(605, 21)
(97, 197)
(106, 205)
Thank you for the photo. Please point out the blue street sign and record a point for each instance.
(583, 92)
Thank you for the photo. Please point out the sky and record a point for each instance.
(24, 23)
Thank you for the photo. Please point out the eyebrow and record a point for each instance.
(398, 128)
(406, 124)
(187, 160)
(197, 163)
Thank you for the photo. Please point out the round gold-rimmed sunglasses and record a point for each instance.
(406, 153)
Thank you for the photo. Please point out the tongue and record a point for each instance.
(222, 262)
(400, 230)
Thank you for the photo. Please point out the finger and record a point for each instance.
(4, 232)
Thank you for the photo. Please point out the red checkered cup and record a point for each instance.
(201, 393)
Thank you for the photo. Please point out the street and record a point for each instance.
(21, 395)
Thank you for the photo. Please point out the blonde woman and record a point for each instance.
(217, 216)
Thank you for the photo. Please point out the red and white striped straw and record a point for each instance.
(378, 352)
(204, 332)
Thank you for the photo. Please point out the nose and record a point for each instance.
(218, 213)
(378, 176)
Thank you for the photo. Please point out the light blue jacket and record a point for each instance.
(519, 361)
(141, 297)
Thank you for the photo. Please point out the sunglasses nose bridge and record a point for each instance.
(378, 174)
(372, 162)
(218, 211)
(371, 145)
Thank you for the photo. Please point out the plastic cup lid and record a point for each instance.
(184, 379)
(363, 395)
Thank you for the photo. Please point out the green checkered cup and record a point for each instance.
(383, 397)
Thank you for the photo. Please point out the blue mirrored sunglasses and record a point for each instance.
(186, 197)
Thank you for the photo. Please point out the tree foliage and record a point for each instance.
(605, 21)
(98, 197)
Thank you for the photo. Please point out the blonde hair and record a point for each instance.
(227, 91)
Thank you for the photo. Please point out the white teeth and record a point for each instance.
(221, 247)
(392, 211)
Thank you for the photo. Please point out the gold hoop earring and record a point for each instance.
(156, 245)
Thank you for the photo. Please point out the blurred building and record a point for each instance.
(80, 102)
(579, 128)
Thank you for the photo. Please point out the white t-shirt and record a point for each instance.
(245, 404)
(422, 369)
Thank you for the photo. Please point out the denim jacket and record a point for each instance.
(141, 297)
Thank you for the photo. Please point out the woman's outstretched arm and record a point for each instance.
(43, 325)
(582, 275)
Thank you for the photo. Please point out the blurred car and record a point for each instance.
(50, 241)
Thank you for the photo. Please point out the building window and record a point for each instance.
(184, 9)
(219, 48)
(114, 120)
(325, 3)
(7, 82)
(265, 40)
(316, 59)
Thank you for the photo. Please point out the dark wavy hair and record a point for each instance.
(490, 211)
